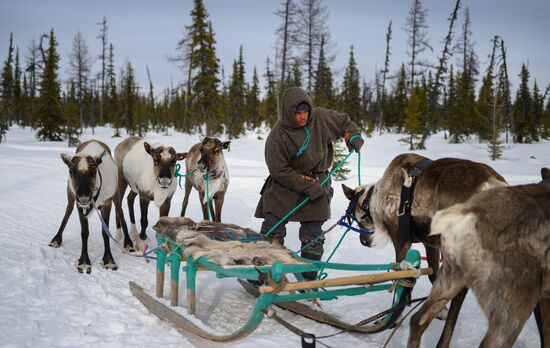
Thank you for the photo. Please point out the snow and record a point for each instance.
(45, 302)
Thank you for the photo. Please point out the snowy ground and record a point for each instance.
(45, 302)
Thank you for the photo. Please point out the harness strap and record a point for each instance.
(405, 204)
(98, 189)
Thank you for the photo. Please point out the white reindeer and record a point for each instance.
(149, 170)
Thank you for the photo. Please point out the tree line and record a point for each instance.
(419, 99)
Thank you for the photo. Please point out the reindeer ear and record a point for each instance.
(147, 148)
(225, 145)
(66, 158)
(182, 155)
(348, 192)
(99, 159)
(545, 173)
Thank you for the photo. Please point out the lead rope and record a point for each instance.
(205, 177)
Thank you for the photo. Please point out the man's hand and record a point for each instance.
(355, 144)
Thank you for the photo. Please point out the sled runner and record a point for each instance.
(234, 252)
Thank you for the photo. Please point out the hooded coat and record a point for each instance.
(290, 176)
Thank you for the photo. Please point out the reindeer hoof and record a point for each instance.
(111, 265)
(55, 244)
(141, 244)
(134, 235)
(83, 267)
(442, 315)
(129, 247)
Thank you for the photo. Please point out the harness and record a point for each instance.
(97, 189)
(405, 205)
(349, 217)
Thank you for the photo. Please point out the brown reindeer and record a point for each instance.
(444, 182)
(206, 158)
(92, 182)
(498, 244)
(149, 170)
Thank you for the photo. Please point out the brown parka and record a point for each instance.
(288, 183)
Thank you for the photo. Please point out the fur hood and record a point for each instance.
(291, 98)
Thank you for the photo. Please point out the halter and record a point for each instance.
(349, 217)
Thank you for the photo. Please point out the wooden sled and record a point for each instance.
(397, 277)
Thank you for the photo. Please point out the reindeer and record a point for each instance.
(92, 183)
(498, 244)
(443, 182)
(206, 158)
(149, 170)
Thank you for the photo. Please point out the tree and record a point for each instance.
(112, 113)
(70, 112)
(103, 58)
(237, 99)
(33, 65)
(204, 66)
(79, 68)
(17, 106)
(286, 37)
(382, 98)
(323, 90)
(50, 119)
(351, 92)
(465, 46)
(269, 104)
(311, 30)
(523, 128)
(7, 109)
(415, 112)
(416, 28)
(129, 100)
(395, 114)
(253, 103)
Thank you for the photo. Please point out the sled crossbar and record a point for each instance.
(275, 289)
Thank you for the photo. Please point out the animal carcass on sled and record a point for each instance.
(232, 251)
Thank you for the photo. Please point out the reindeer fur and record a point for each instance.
(498, 245)
(217, 242)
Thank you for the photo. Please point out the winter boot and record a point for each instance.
(313, 252)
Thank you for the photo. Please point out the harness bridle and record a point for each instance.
(349, 217)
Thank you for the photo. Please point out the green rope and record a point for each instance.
(205, 177)
(305, 144)
(358, 159)
(307, 198)
(179, 176)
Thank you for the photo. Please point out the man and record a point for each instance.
(299, 154)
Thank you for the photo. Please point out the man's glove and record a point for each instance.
(314, 191)
(356, 144)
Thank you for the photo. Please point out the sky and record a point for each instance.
(146, 32)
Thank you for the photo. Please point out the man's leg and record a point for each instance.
(278, 234)
(310, 231)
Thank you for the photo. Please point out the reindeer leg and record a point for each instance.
(432, 256)
(133, 229)
(542, 316)
(164, 209)
(84, 263)
(452, 317)
(142, 241)
(121, 223)
(203, 206)
(188, 187)
(218, 201)
(58, 238)
(447, 286)
(108, 260)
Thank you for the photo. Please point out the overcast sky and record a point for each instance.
(146, 32)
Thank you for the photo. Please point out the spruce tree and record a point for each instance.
(253, 103)
(17, 107)
(323, 89)
(112, 108)
(395, 112)
(416, 28)
(237, 99)
(6, 92)
(415, 114)
(129, 99)
(522, 109)
(204, 68)
(269, 104)
(536, 112)
(70, 112)
(351, 92)
(50, 119)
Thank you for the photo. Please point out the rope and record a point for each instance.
(419, 300)
(305, 144)
(105, 228)
(205, 177)
(179, 176)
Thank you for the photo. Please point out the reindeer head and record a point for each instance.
(211, 159)
(164, 163)
(83, 179)
(360, 206)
